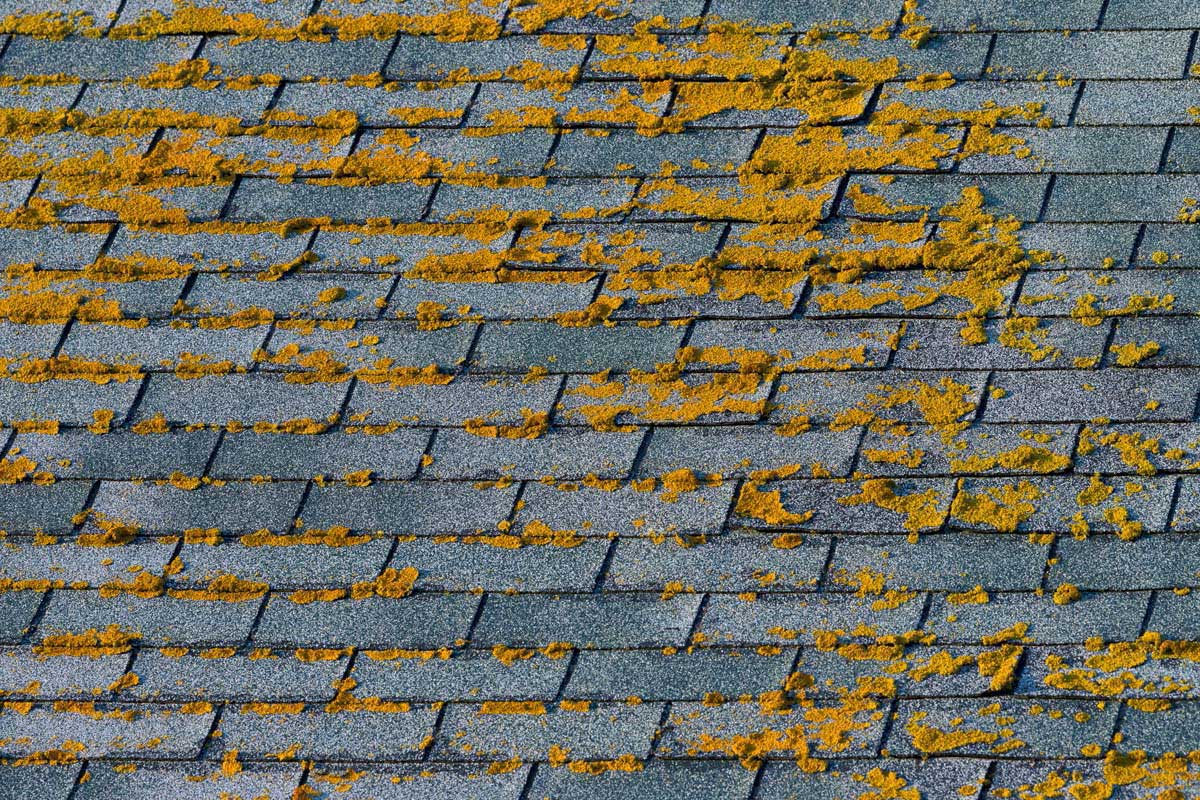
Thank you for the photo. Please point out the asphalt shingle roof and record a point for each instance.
(608, 399)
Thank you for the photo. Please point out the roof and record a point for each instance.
(623, 398)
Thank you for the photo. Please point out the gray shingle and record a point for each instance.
(199, 676)
(1171, 730)
(426, 782)
(174, 781)
(369, 735)
(468, 732)
(27, 508)
(158, 620)
(152, 732)
(294, 565)
(938, 344)
(518, 346)
(17, 610)
(1156, 14)
(260, 200)
(424, 620)
(468, 675)
(25, 675)
(685, 675)
(678, 780)
(1112, 616)
(464, 566)
(946, 562)
(119, 454)
(232, 508)
(606, 620)
(941, 777)
(410, 508)
(393, 456)
(1119, 395)
(626, 511)
(1010, 15)
(219, 399)
(94, 59)
(496, 400)
(694, 152)
(1087, 54)
(1046, 728)
(1064, 150)
(1137, 103)
(567, 453)
(776, 619)
(38, 782)
(725, 563)
(296, 60)
(66, 401)
(739, 449)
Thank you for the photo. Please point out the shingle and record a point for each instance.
(286, 12)
(562, 197)
(674, 14)
(980, 449)
(1010, 15)
(1177, 340)
(27, 508)
(962, 55)
(521, 152)
(426, 58)
(410, 508)
(585, 103)
(940, 777)
(699, 730)
(739, 449)
(1170, 730)
(1145, 563)
(261, 200)
(219, 399)
(606, 620)
(628, 400)
(798, 344)
(17, 609)
(243, 105)
(1119, 395)
(606, 731)
(938, 344)
(1062, 503)
(1174, 616)
(427, 782)
(803, 14)
(625, 511)
(1094, 295)
(1137, 103)
(51, 247)
(495, 400)
(1156, 14)
(1165, 446)
(401, 342)
(94, 59)
(35, 782)
(518, 346)
(284, 456)
(685, 675)
(153, 732)
(1072, 245)
(423, 620)
(682, 56)
(467, 566)
(822, 396)
(196, 676)
(1187, 509)
(232, 508)
(725, 563)
(835, 672)
(154, 344)
(1046, 728)
(832, 505)
(967, 97)
(72, 564)
(296, 565)
(776, 619)
(1012, 774)
(65, 401)
(567, 453)
(296, 296)
(1018, 195)
(1178, 240)
(389, 105)
(1088, 54)
(1110, 198)
(467, 675)
(359, 734)
(1066, 150)
(119, 455)
(1050, 671)
(158, 620)
(1112, 616)
(175, 781)
(694, 152)
(23, 674)
(295, 60)
(531, 299)
(946, 562)
(678, 780)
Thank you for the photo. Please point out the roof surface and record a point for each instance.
(604, 399)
